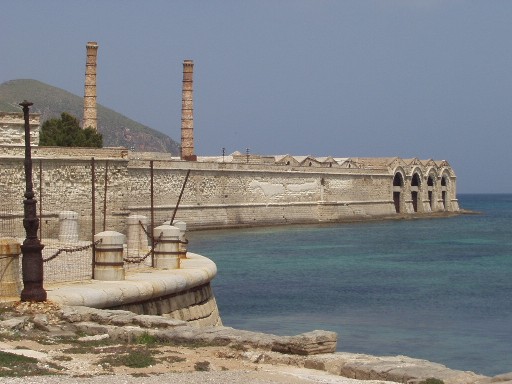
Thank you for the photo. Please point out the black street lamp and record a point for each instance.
(32, 260)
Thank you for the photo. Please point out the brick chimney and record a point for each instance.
(90, 113)
(187, 113)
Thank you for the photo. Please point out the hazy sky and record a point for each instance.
(408, 78)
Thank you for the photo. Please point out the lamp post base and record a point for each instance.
(32, 265)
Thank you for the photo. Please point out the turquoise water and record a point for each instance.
(437, 289)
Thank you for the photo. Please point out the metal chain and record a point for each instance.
(145, 231)
(138, 260)
(71, 250)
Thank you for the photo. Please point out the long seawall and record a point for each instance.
(239, 192)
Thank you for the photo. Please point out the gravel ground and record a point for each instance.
(282, 376)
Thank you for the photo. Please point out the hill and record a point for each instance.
(117, 130)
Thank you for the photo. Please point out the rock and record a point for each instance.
(91, 328)
(149, 321)
(310, 343)
(94, 337)
(71, 314)
(127, 334)
(15, 324)
(503, 378)
(121, 320)
(312, 350)
(41, 322)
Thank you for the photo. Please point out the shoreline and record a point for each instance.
(56, 337)
(347, 220)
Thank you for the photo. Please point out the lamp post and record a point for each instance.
(32, 260)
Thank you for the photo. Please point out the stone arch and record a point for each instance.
(398, 186)
(431, 188)
(445, 187)
(415, 191)
(444, 192)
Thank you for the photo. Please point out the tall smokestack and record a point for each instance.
(187, 113)
(90, 114)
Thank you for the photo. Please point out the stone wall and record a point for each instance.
(197, 306)
(220, 193)
(62, 181)
(237, 194)
(12, 128)
(182, 294)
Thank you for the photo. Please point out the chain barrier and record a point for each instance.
(144, 230)
(138, 260)
(71, 250)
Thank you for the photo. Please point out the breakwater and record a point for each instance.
(221, 192)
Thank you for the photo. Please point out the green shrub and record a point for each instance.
(202, 366)
(137, 359)
(146, 339)
(432, 380)
(12, 365)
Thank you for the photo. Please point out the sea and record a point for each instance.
(438, 289)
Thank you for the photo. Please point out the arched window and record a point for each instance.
(398, 180)
(415, 188)
(398, 183)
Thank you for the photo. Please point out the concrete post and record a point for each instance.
(187, 112)
(68, 227)
(90, 114)
(182, 247)
(137, 241)
(10, 283)
(108, 264)
(166, 250)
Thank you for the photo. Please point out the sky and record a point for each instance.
(341, 78)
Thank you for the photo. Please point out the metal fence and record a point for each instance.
(75, 201)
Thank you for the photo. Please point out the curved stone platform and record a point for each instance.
(183, 294)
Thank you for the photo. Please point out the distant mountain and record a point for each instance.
(117, 130)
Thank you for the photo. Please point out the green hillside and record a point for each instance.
(117, 130)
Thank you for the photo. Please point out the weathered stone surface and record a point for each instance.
(310, 343)
(94, 337)
(16, 323)
(503, 378)
(393, 368)
(41, 322)
(91, 328)
(122, 319)
(12, 128)
(149, 321)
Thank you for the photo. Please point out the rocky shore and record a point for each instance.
(87, 343)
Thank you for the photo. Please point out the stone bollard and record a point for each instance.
(183, 240)
(108, 263)
(137, 240)
(10, 283)
(68, 227)
(166, 249)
